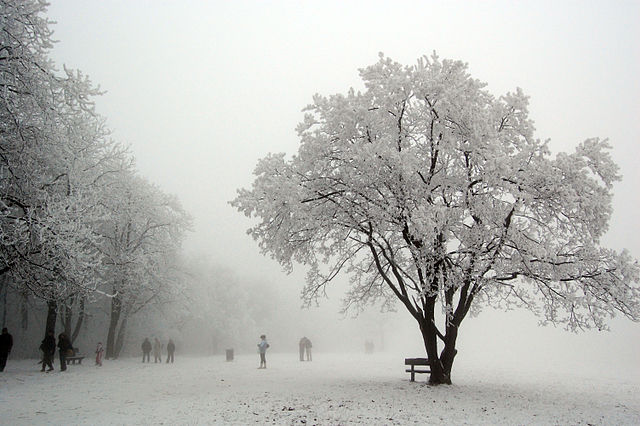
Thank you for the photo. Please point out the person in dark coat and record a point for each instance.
(171, 348)
(6, 343)
(146, 350)
(64, 349)
(48, 348)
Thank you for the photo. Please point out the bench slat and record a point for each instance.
(416, 361)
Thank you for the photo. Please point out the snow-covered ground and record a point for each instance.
(333, 389)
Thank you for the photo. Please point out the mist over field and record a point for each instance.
(122, 212)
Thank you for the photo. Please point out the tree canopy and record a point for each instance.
(426, 188)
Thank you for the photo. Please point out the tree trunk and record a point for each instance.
(52, 314)
(116, 309)
(67, 314)
(121, 333)
(449, 352)
(76, 329)
(24, 310)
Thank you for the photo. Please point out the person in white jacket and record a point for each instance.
(157, 350)
(262, 348)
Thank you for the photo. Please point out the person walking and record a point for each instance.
(6, 343)
(146, 350)
(99, 353)
(157, 350)
(64, 349)
(262, 348)
(171, 348)
(48, 348)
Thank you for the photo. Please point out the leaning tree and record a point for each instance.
(426, 188)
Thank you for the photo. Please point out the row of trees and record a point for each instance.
(77, 223)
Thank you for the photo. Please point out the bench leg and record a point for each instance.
(413, 374)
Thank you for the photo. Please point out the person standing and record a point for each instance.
(262, 348)
(157, 350)
(6, 343)
(99, 353)
(301, 348)
(171, 348)
(307, 348)
(64, 349)
(146, 350)
(48, 348)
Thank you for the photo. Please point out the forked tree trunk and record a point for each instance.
(440, 363)
(67, 318)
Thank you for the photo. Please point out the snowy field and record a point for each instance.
(331, 390)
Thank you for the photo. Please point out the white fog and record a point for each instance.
(200, 91)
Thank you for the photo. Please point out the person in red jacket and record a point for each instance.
(99, 353)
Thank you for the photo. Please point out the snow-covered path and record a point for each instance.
(333, 389)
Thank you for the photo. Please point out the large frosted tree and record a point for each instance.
(427, 189)
(54, 152)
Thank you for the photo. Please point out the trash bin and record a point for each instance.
(229, 354)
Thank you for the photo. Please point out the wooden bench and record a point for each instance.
(416, 361)
(74, 359)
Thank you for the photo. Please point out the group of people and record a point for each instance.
(65, 349)
(48, 348)
(305, 348)
(157, 350)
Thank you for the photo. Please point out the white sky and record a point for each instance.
(202, 89)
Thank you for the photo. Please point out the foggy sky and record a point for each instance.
(201, 90)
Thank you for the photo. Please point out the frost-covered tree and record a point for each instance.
(427, 189)
(54, 152)
(141, 234)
